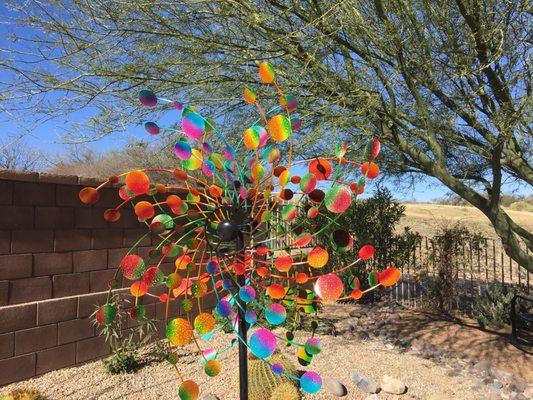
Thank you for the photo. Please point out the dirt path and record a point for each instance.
(464, 338)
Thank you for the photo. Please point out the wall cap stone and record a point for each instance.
(46, 177)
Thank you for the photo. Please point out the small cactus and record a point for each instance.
(264, 384)
(285, 391)
(23, 394)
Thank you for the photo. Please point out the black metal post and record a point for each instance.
(243, 350)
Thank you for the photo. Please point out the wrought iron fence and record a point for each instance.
(481, 263)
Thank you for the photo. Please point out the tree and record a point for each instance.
(16, 154)
(446, 85)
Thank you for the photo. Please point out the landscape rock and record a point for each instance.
(362, 335)
(372, 397)
(453, 372)
(503, 376)
(365, 384)
(481, 368)
(392, 385)
(494, 394)
(518, 385)
(529, 391)
(335, 387)
(497, 384)
(209, 397)
(357, 314)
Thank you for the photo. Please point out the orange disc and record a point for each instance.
(276, 291)
(370, 169)
(301, 278)
(111, 215)
(389, 276)
(182, 261)
(180, 174)
(283, 262)
(321, 168)
(89, 195)
(318, 257)
(138, 288)
(144, 210)
(137, 181)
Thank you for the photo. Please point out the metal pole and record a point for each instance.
(243, 350)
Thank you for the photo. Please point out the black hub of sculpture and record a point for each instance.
(228, 230)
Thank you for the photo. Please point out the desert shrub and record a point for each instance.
(492, 309)
(448, 257)
(124, 359)
(369, 221)
(124, 342)
(521, 206)
(23, 394)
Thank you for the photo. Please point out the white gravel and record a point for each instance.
(341, 358)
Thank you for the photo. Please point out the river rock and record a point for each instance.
(518, 385)
(529, 391)
(392, 385)
(335, 387)
(365, 384)
(481, 368)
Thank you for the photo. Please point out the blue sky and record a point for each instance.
(48, 136)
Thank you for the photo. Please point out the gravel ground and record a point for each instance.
(340, 359)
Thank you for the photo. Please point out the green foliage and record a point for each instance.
(447, 257)
(264, 385)
(125, 342)
(492, 309)
(225, 323)
(458, 100)
(124, 359)
(512, 201)
(370, 221)
(521, 206)
(23, 394)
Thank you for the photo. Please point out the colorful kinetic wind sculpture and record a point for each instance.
(232, 219)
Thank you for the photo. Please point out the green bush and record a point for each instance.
(123, 360)
(521, 206)
(446, 256)
(124, 343)
(493, 308)
(369, 221)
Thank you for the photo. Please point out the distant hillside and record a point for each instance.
(514, 202)
(427, 218)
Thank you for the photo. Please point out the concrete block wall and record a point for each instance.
(56, 257)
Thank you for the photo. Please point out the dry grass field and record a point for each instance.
(428, 218)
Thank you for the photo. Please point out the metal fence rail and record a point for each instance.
(479, 264)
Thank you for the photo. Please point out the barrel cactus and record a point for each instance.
(285, 391)
(23, 394)
(265, 385)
